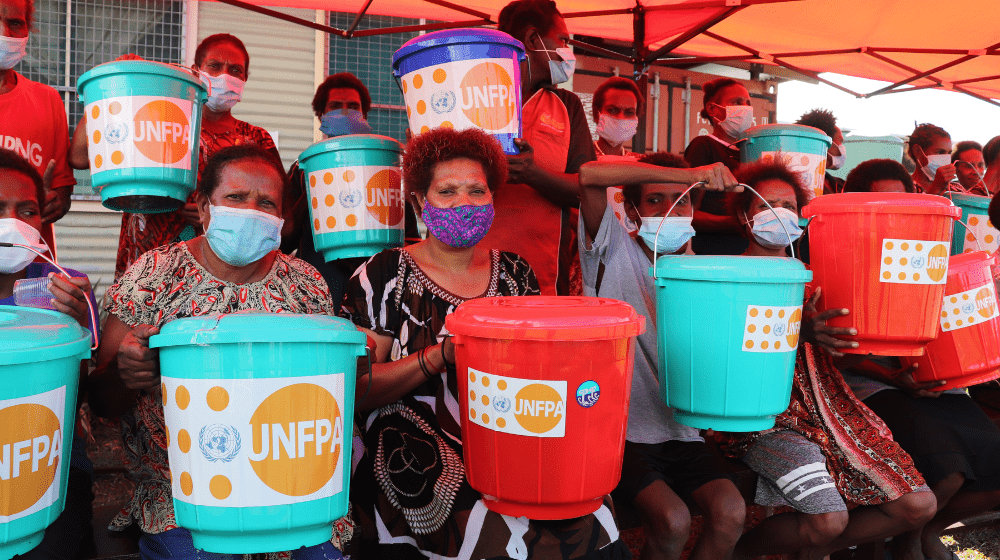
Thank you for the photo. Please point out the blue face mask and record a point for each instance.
(768, 230)
(240, 236)
(676, 231)
(337, 123)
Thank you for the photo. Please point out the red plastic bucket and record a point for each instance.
(545, 384)
(967, 350)
(884, 257)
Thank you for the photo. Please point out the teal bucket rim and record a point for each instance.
(262, 336)
(339, 144)
(148, 67)
(79, 347)
(778, 130)
(795, 273)
(971, 201)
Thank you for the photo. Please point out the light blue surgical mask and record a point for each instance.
(338, 123)
(935, 162)
(240, 236)
(768, 231)
(674, 234)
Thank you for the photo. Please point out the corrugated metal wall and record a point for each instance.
(278, 94)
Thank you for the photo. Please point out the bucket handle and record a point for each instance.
(90, 306)
(972, 233)
(978, 174)
(656, 254)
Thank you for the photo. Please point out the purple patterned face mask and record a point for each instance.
(459, 227)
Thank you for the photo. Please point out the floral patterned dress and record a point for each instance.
(409, 488)
(167, 283)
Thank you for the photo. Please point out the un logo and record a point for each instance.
(349, 198)
(917, 262)
(501, 404)
(219, 442)
(778, 329)
(116, 133)
(443, 102)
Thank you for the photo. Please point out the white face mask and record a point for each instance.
(838, 161)
(769, 228)
(561, 70)
(616, 131)
(225, 92)
(15, 259)
(934, 162)
(12, 50)
(676, 231)
(738, 119)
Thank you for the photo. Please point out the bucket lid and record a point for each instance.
(138, 67)
(546, 318)
(881, 203)
(973, 259)
(256, 326)
(764, 270)
(971, 201)
(456, 37)
(787, 130)
(34, 335)
(353, 142)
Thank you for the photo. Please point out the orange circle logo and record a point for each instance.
(986, 303)
(488, 97)
(385, 197)
(937, 262)
(538, 408)
(31, 441)
(162, 131)
(794, 325)
(297, 435)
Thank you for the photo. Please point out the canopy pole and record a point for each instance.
(692, 33)
(939, 81)
(599, 50)
(944, 66)
(639, 72)
(357, 20)
(285, 17)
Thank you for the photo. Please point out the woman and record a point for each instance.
(727, 107)
(235, 266)
(930, 150)
(223, 61)
(827, 453)
(401, 298)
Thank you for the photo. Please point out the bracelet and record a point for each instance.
(443, 359)
(423, 365)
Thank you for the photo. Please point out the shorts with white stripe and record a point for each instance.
(792, 472)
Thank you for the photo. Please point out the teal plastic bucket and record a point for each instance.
(143, 131)
(803, 148)
(356, 201)
(259, 414)
(463, 78)
(40, 359)
(728, 330)
(975, 214)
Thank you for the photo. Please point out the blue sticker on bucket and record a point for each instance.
(587, 394)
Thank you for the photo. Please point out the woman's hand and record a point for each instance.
(717, 177)
(190, 214)
(521, 166)
(71, 297)
(903, 379)
(816, 331)
(138, 364)
(942, 178)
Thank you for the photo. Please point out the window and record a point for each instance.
(99, 31)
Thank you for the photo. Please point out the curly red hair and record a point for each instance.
(425, 151)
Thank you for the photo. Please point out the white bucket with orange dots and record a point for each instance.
(356, 203)
(463, 78)
(259, 414)
(143, 125)
(802, 148)
(40, 363)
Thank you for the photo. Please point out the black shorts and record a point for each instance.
(684, 466)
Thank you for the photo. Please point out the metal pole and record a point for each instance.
(638, 71)
(654, 93)
(687, 110)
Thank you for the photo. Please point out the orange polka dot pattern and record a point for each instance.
(908, 261)
(772, 329)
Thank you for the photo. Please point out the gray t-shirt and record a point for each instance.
(626, 278)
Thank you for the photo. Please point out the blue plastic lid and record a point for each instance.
(353, 142)
(972, 201)
(138, 67)
(256, 326)
(787, 130)
(456, 37)
(34, 335)
(881, 203)
(767, 270)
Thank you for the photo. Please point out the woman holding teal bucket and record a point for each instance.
(235, 266)
(827, 453)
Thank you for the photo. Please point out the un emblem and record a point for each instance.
(116, 133)
(443, 102)
(349, 198)
(219, 442)
(917, 262)
(501, 404)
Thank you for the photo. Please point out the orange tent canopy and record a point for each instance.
(915, 44)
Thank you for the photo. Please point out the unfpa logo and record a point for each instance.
(162, 132)
(523, 407)
(30, 446)
(385, 197)
(937, 263)
(794, 326)
(298, 434)
(538, 408)
(487, 96)
(986, 303)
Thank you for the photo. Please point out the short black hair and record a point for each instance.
(218, 39)
(923, 136)
(11, 161)
(965, 146)
(633, 192)
(341, 80)
(426, 150)
(617, 82)
(861, 178)
(994, 211)
(515, 18)
(711, 90)
(822, 119)
(991, 151)
(211, 175)
(754, 173)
